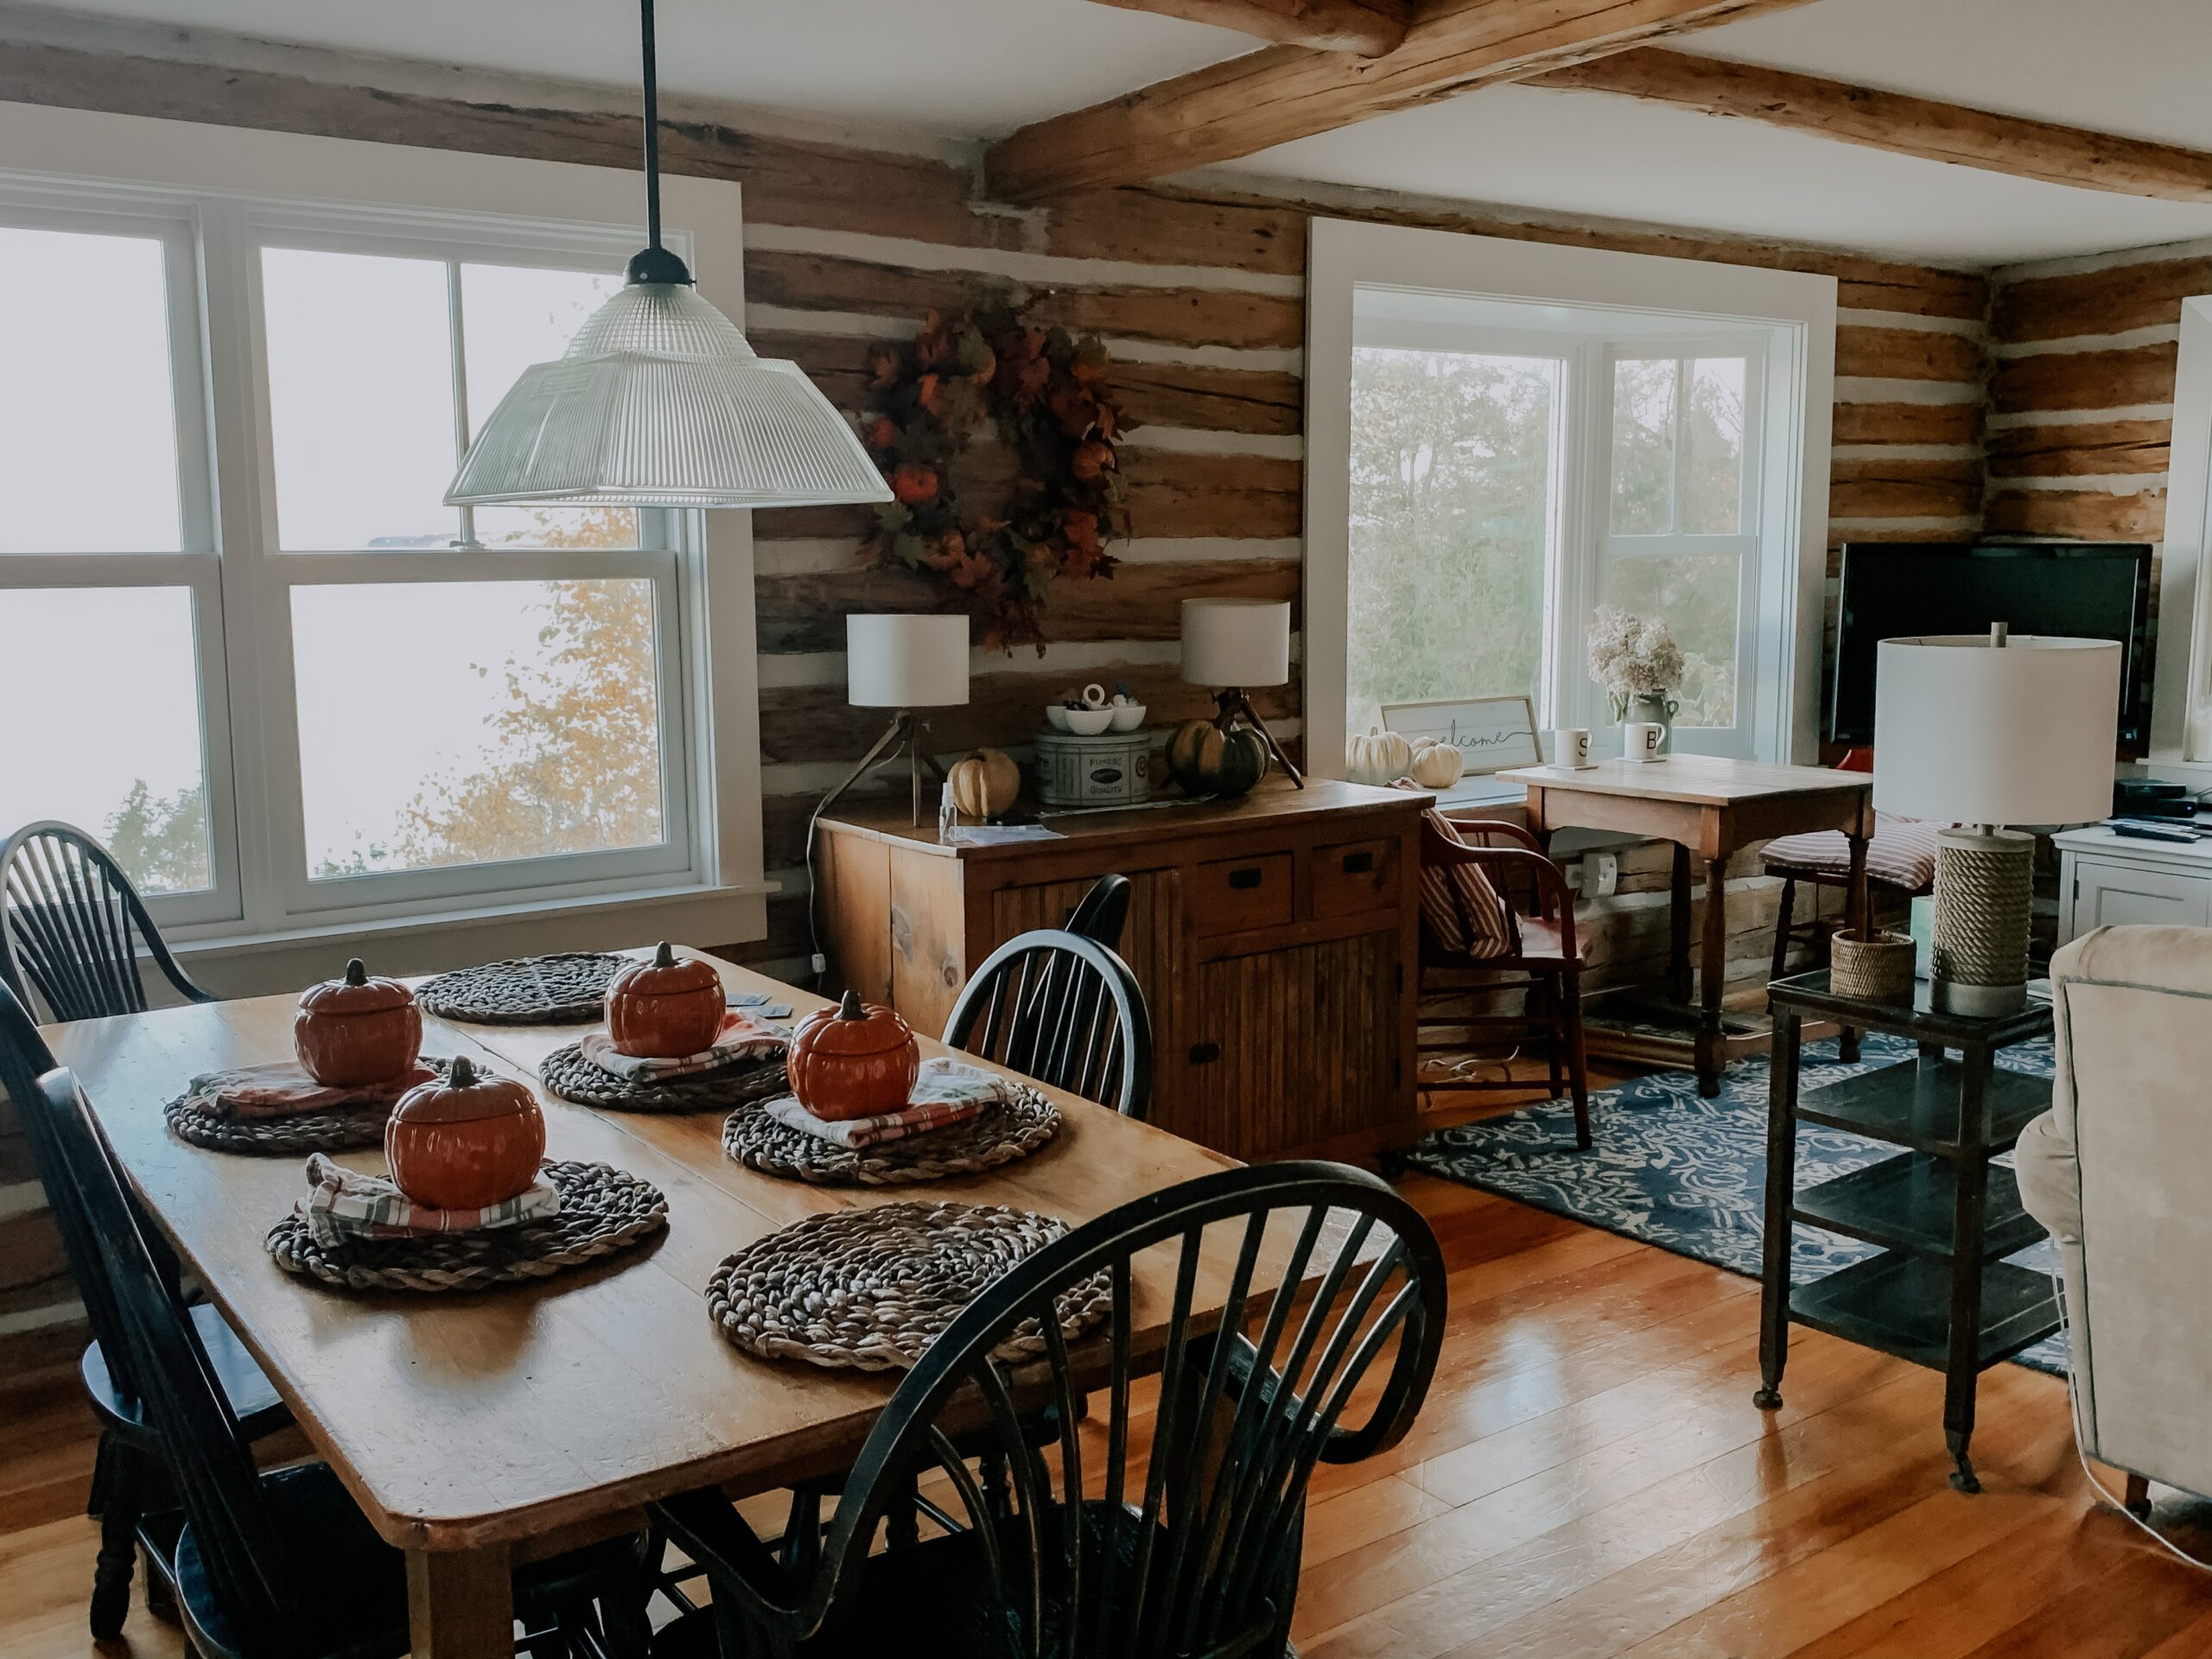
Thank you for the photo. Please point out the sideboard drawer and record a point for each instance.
(1233, 894)
(1352, 878)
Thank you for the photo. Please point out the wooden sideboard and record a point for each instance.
(1275, 937)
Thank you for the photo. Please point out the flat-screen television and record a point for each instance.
(2081, 590)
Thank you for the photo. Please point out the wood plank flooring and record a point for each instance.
(1589, 1478)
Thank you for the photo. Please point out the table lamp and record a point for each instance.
(1231, 643)
(1978, 732)
(903, 662)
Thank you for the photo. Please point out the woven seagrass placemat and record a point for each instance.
(566, 1073)
(871, 1288)
(558, 990)
(1008, 1132)
(603, 1211)
(196, 1116)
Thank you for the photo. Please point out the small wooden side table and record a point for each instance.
(1939, 1294)
(1709, 807)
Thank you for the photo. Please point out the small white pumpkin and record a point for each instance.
(1436, 766)
(1379, 757)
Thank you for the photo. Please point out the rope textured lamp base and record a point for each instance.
(1985, 891)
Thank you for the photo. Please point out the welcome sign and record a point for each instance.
(1491, 733)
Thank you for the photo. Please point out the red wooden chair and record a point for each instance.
(1496, 917)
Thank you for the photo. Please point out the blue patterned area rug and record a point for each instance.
(1689, 1175)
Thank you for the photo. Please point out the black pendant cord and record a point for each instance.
(655, 263)
(653, 127)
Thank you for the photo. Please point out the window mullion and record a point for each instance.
(253, 609)
(457, 344)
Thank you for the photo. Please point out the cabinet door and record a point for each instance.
(1151, 940)
(1291, 1046)
(2111, 895)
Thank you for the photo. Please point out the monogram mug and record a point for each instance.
(1640, 739)
(1571, 746)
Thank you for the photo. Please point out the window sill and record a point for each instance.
(265, 963)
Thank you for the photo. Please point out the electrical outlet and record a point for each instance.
(1606, 867)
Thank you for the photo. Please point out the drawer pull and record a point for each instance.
(1359, 863)
(1251, 877)
(1205, 1053)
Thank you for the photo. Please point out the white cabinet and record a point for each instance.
(2109, 880)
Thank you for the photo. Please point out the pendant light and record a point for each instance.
(660, 402)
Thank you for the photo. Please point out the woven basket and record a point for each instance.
(1878, 969)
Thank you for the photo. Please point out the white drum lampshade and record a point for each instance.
(905, 662)
(1966, 734)
(1236, 641)
(1980, 731)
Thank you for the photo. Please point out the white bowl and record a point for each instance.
(1058, 715)
(1087, 722)
(1127, 717)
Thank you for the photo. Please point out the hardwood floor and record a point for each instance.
(1589, 1478)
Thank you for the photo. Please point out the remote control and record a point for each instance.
(2139, 831)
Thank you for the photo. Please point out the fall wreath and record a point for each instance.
(1045, 390)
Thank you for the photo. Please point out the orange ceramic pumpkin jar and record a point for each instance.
(466, 1140)
(358, 1030)
(854, 1060)
(665, 1008)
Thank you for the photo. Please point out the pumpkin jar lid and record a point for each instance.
(666, 975)
(464, 1094)
(358, 992)
(859, 1029)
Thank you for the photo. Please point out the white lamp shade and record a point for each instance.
(905, 662)
(660, 402)
(1965, 732)
(1240, 642)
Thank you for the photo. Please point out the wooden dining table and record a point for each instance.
(484, 1429)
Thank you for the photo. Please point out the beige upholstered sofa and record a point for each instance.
(2117, 1170)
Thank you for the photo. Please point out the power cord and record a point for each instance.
(2066, 1324)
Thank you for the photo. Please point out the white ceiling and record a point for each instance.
(968, 69)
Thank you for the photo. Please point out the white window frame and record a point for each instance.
(2181, 699)
(217, 196)
(1793, 312)
(1576, 693)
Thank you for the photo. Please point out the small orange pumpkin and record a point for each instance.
(465, 1141)
(667, 1007)
(854, 1060)
(356, 1030)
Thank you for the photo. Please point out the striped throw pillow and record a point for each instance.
(1464, 912)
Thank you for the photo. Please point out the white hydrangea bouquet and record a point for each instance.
(1633, 657)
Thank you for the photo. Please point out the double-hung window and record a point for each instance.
(245, 640)
(1681, 434)
(1505, 482)
(1505, 438)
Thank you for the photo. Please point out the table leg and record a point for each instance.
(1961, 1373)
(1678, 927)
(1859, 916)
(1713, 977)
(1781, 1192)
(460, 1603)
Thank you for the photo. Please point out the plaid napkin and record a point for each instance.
(284, 1089)
(744, 1037)
(342, 1205)
(946, 1091)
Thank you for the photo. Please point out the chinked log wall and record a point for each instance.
(2081, 394)
(1199, 296)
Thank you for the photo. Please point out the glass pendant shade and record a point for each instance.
(660, 402)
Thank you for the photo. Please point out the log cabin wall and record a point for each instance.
(2081, 396)
(1199, 295)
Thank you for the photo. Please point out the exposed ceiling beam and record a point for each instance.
(1898, 122)
(1282, 92)
(1369, 28)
